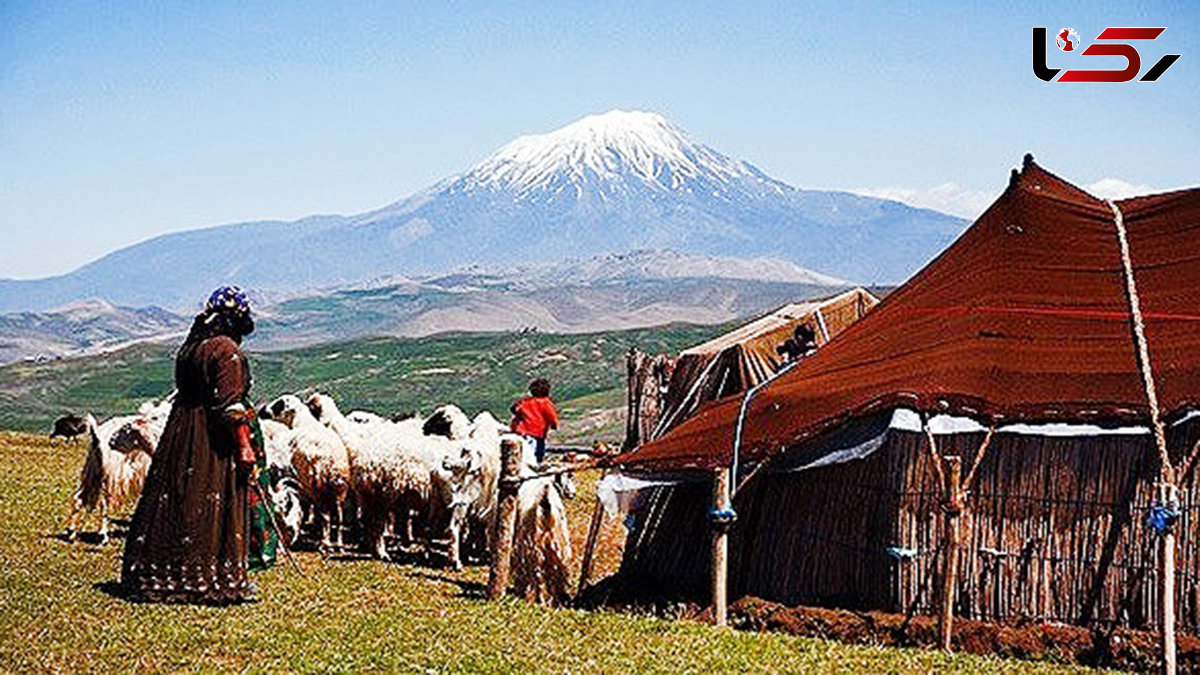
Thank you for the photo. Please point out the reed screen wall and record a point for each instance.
(1054, 530)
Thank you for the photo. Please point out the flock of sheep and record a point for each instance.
(429, 481)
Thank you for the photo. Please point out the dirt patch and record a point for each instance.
(1121, 648)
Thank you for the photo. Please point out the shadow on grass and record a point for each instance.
(89, 538)
(472, 590)
(114, 589)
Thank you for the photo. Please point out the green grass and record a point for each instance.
(347, 615)
(387, 375)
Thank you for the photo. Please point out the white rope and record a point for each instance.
(821, 323)
(1139, 333)
(741, 418)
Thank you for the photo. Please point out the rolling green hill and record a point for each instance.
(388, 375)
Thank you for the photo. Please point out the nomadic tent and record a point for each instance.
(729, 363)
(1018, 350)
(748, 355)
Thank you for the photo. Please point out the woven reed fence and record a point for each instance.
(1054, 530)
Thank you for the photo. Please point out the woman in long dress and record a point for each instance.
(189, 535)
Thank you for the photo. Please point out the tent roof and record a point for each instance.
(748, 354)
(780, 321)
(1023, 318)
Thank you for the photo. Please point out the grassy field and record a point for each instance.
(388, 375)
(349, 614)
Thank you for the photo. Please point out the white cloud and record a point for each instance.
(969, 203)
(1115, 188)
(952, 198)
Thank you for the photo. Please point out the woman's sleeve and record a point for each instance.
(229, 380)
(551, 414)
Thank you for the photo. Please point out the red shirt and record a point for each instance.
(534, 416)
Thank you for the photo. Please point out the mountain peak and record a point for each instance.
(616, 145)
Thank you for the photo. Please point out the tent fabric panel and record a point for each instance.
(1164, 232)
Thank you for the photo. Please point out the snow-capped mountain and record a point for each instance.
(606, 184)
(614, 147)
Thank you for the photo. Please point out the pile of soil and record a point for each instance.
(1120, 648)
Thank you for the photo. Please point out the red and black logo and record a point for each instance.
(1067, 40)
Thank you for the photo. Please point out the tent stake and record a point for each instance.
(952, 508)
(720, 549)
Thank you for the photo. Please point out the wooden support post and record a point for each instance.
(589, 548)
(506, 519)
(720, 549)
(633, 398)
(952, 508)
(1166, 582)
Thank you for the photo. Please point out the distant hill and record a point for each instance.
(80, 327)
(635, 290)
(614, 292)
(609, 183)
(387, 375)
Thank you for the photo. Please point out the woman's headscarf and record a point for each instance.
(227, 312)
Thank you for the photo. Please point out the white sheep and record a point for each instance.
(364, 417)
(449, 421)
(391, 467)
(277, 447)
(114, 472)
(320, 460)
(468, 488)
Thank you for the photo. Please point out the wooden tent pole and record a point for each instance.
(1166, 575)
(506, 519)
(720, 548)
(1167, 491)
(952, 508)
(589, 548)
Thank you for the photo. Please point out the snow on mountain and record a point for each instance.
(612, 146)
(606, 184)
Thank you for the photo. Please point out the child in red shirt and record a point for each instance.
(535, 415)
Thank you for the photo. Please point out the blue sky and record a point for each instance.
(121, 121)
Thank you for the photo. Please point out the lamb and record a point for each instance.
(320, 460)
(289, 514)
(542, 540)
(115, 470)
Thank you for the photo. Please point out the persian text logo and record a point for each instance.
(1068, 41)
